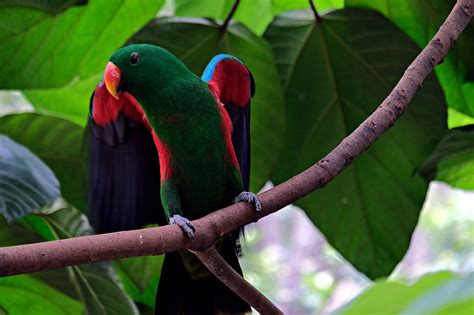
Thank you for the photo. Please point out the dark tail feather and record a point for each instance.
(178, 293)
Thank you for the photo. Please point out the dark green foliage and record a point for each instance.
(50, 6)
(334, 75)
(26, 183)
(315, 84)
(420, 19)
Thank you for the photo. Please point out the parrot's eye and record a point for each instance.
(134, 58)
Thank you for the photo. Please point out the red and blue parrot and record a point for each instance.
(169, 147)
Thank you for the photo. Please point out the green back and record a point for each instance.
(184, 115)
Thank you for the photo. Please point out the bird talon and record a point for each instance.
(250, 198)
(184, 224)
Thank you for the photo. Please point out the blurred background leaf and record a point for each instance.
(453, 160)
(45, 50)
(25, 295)
(26, 183)
(58, 143)
(436, 293)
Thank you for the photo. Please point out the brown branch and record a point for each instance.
(227, 275)
(155, 241)
(315, 12)
(229, 17)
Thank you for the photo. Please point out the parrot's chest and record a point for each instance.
(202, 174)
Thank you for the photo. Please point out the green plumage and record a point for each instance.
(185, 117)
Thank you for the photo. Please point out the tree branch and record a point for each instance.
(155, 241)
(229, 17)
(227, 275)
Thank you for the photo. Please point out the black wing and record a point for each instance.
(124, 175)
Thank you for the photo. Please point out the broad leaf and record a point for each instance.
(255, 14)
(453, 160)
(437, 293)
(45, 50)
(58, 143)
(196, 41)
(26, 183)
(421, 19)
(26, 295)
(95, 285)
(70, 102)
(280, 6)
(51, 6)
(335, 74)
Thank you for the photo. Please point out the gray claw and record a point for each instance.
(184, 224)
(249, 197)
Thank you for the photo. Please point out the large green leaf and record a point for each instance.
(335, 74)
(255, 14)
(96, 285)
(26, 183)
(42, 50)
(196, 41)
(51, 6)
(58, 143)
(453, 160)
(437, 293)
(24, 295)
(321, 5)
(70, 102)
(421, 19)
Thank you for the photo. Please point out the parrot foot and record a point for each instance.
(249, 197)
(184, 224)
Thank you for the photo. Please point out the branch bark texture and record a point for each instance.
(155, 241)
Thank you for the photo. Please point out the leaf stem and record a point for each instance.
(229, 16)
(316, 14)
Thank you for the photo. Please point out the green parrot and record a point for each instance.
(199, 170)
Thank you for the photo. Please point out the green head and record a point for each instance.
(145, 71)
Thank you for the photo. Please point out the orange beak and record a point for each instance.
(112, 78)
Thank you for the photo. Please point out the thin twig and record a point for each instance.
(227, 275)
(316, 14)
(156, 241)
(229, 17)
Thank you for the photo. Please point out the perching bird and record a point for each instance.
(188, 119)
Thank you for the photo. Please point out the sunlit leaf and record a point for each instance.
(453, 160)
(321, 5)
(41, 50)
(255, 14)
(437, 293)
(26, 295)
